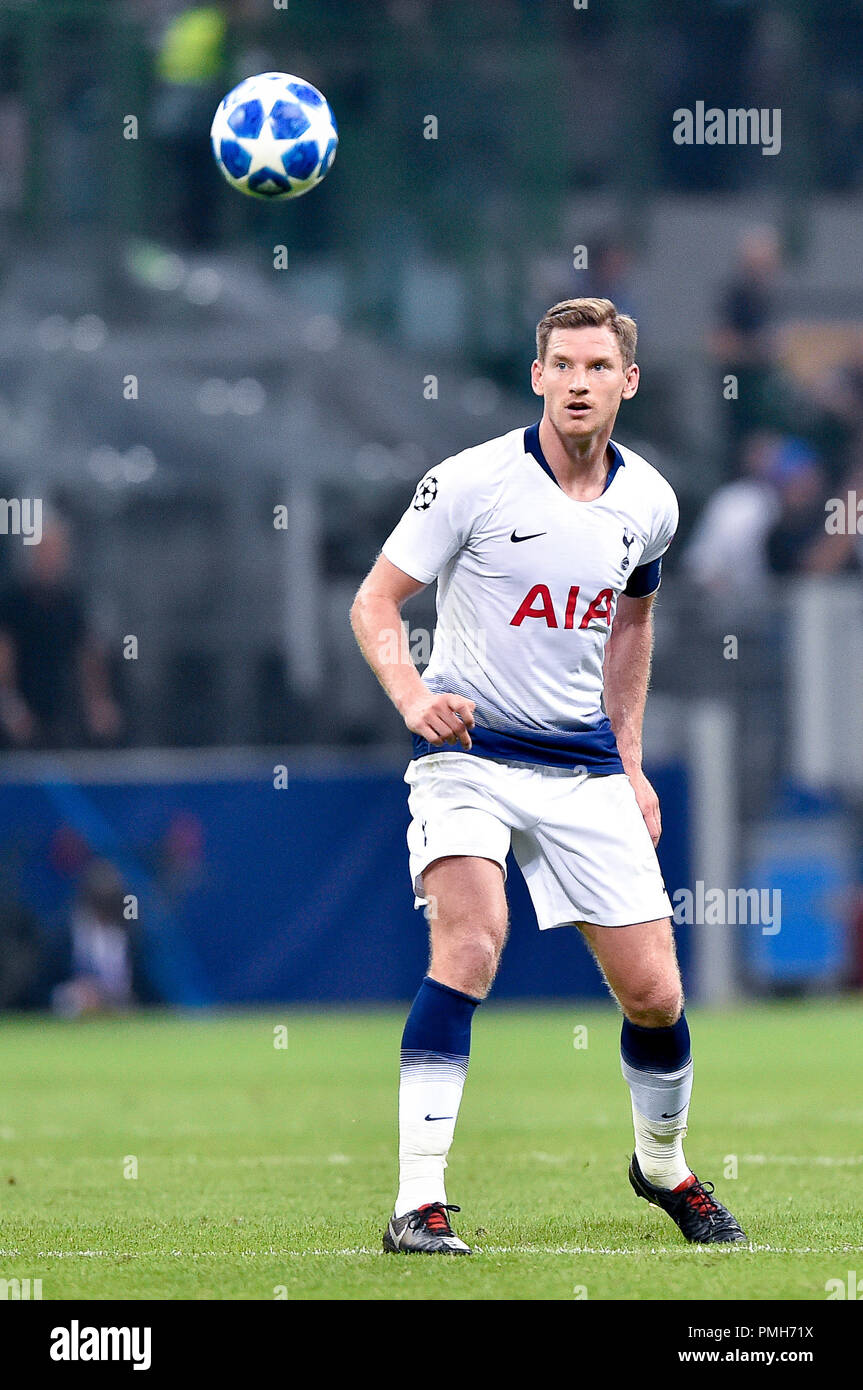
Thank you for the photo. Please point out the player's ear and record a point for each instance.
(536, 376)
(633, 377)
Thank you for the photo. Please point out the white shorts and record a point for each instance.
(579, 839)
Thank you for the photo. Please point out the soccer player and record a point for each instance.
(546, 544)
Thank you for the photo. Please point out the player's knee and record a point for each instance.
(469, 959)
(654, 1005)
(481, 954)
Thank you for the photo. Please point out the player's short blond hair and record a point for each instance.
(588, 313)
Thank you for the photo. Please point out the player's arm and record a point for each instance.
(627, 673)
(377, 623)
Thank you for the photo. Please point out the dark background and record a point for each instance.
(254, 387)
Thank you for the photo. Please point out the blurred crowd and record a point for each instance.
(55, 679)
(85, 962)
(790, 423)
(790, 440)
(793, 417)
(786, 372)
(74, 913)
(806, 57)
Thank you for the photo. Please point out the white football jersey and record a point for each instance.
(527, 586)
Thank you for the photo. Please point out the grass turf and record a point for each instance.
(268, 1172)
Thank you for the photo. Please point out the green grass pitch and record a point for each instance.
(266, 1171)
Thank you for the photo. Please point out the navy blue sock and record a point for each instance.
(439, 1021)
(434, 1058)
(655, 1049)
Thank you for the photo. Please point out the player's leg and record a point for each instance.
(639, 964)
(467, 913)
(589, 859)
(468, 921)
(458, 838)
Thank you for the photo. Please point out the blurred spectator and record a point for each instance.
(181, 856)
(835, 51)
(742, 341)
(190, 67)
(800, 522)
(609, 275)
(770, 521)
(99, 962)
(21, 952)
(840, 394)
(726, 552)
(54, 684)
(833, 550)
(14, 135)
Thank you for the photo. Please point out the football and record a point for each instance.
(274, 136)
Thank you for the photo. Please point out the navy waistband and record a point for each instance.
(595, 748)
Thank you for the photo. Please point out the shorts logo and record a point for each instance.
(425, 494)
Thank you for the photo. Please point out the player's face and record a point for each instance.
(583, 381)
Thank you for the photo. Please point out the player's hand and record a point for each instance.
(442, 718)
(648, 804)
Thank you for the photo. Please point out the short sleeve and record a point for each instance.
(663, 528)
(436, 524)
(647, 575)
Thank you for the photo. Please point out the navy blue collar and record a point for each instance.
(533, 446)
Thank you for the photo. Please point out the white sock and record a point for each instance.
(434, 1057)
(657, 1064)
(429, 1098)
(660, 1106)
(659, 1149)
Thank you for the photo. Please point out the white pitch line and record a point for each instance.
(688, 1251)
(339, 1159)
(194, 1160)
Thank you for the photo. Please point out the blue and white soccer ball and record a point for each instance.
(274, 136)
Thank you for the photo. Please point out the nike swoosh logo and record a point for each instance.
(676, 1113)
(516, 538)
(440, 1117)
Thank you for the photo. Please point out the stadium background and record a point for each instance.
(207, 940)
(165, 388)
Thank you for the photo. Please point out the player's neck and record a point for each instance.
(581, 466)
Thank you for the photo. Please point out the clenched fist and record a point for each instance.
(441, 718)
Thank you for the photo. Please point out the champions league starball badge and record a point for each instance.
(425, 494)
